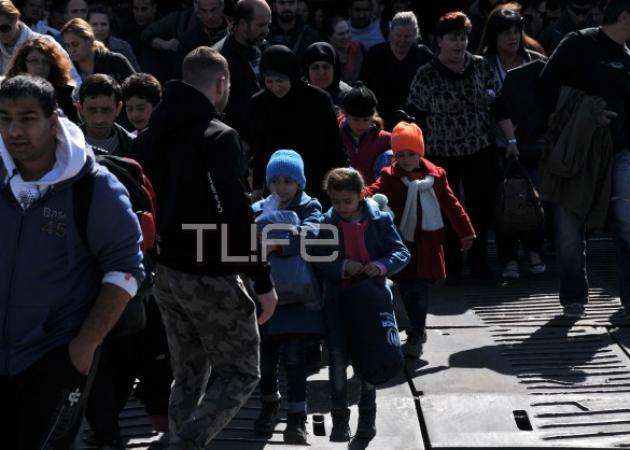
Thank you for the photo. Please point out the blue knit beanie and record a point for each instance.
(286, 163)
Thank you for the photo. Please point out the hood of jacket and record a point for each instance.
(181, 104)
(369, 212)
(279, 59)
(70, 159)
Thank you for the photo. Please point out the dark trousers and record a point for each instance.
(142, 355)
(476, 174)
(291, 351)
(43, 405)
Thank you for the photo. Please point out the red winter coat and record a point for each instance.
(363, 154)
(427, 253)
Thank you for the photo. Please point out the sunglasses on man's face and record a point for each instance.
(6, 27)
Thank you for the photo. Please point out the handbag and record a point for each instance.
(519, 208)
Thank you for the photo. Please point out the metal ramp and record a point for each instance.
(502, 369)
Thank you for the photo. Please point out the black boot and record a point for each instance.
(366, 428)
(341, 425)
(267, 419)
(295, 432)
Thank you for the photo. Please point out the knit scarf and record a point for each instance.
(431, 214)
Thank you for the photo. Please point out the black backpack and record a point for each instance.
(142, 197)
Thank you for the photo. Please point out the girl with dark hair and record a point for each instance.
(43, 58)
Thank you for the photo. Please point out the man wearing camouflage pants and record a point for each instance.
(194, 162)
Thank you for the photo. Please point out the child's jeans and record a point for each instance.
(292, 351)
(415, 297)
(338, 359)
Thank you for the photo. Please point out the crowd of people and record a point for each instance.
(381, 132)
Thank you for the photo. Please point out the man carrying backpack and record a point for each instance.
(194, 162)
(58, 298)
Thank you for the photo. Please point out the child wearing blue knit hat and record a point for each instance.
(296, 319)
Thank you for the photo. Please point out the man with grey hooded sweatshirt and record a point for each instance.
(58, 298)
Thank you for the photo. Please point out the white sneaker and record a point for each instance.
(536, 264)
(510, 270)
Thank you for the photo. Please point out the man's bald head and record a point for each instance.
(251, 22)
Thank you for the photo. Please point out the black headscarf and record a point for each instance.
(323, 51)
(279, 59)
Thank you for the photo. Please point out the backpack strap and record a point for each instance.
(82, 199)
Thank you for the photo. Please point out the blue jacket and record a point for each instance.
(295, 318)
(308, 209)
(382, 241)
(384, 245)
(48, 279)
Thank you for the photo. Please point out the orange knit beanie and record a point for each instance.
(407, 136)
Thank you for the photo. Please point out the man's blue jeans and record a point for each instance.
(571, 239)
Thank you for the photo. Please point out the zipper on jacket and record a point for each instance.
(10, 291)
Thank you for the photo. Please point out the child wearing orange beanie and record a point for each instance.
(418, 194)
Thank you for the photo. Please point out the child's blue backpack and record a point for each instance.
(367, 313)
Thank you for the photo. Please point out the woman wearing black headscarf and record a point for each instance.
(322, 69)
(290, 114)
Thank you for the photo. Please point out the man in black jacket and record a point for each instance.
(289, 29)
(241, 50)
(204, 224)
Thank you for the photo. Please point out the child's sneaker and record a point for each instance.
(511, 270)
(536, 264)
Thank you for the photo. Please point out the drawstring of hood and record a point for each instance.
(70, 157)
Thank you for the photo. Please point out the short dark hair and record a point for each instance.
(29, 86)
(613, 10)
(452, 22)
(344, 179)
(142, 85)
(100, 9)
(100, 84)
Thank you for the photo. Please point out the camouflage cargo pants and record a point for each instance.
(211, 326)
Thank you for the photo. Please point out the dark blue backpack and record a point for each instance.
(371, 332)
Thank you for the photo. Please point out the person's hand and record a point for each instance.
(268, 302)
(353, 268)
(467, 243)
(371, 270)
(81, 355)
(606, 117)
(511, 151)
(273, 248)
(257, 194)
